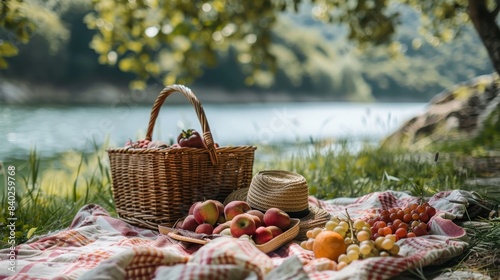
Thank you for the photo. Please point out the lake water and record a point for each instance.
(57, 129)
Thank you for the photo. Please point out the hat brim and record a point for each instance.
(317, 217)
(239, 194)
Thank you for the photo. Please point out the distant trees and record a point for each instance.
(174, 40)
(20, 19)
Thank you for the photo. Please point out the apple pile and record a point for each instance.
(236, 219)
(187, 138)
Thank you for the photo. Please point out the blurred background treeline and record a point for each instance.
(316, 61)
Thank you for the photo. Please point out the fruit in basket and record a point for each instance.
(257, 213)
(329, 244)
(139, 144)
(242, 224)
(129, 143)
(256, 219)
(157, 144)
(262, 235)
(146, 144)
(206, 212)
(221, 219)
(220, 206)
(178, 224)
(234, 208)
(191, 208)
(190, 138)
(220, 227)
(204, 228)
(190, 223)
(277, 217)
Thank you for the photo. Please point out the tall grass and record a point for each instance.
(336, 169)
(48, 197)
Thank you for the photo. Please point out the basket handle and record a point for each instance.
(207, 135)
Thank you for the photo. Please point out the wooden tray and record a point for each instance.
(202, 239)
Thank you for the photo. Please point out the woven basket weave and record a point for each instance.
(157, 186)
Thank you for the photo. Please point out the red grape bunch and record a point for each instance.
(409, 221)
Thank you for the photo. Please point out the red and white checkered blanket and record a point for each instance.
(98, 246)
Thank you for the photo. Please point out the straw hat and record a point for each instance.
(287, 191)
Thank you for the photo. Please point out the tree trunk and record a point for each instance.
(487, 29)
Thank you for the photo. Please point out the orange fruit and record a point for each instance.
(329, 244)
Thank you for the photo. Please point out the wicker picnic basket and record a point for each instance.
(157, 186)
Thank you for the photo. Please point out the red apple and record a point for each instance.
(219, 228)
(190, 212)
(257, 213)
(206, 212)
(277, 217)
(234, 208)
(257, 220)
(190, 223)
(178, 224)
(204, 228)
(242, 224)
(275, 230)
(262, 235)
(220, 206)
(221, 219)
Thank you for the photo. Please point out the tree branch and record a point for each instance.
(495, 12)
(485, 24)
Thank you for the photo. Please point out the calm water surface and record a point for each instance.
(57, 129)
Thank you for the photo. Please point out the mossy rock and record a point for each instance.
(469, 111)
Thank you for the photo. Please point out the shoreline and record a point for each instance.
(105, 94)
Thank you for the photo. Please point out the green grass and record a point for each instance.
(339, 170)
(51, 191)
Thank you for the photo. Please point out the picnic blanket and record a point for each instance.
(99, 246)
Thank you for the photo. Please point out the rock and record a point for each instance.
(458, 113)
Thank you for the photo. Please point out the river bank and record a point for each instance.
(18, 92)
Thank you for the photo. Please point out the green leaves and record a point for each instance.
(196, 35)
(17, 28)
(7, 49)
(19, 20)
(210, 28)
(192, 35)
(30, 233)
(127, 64)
